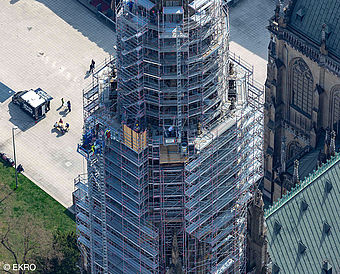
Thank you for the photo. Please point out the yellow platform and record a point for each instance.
(170, 154)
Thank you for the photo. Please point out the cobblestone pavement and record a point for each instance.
(248, 34)
(48, 44)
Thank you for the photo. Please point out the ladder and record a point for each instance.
(97, 171)
(91, 206)
(179, 85)
(101, 178)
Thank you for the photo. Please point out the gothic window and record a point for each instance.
(302, 87)
(293, 149)
(336, 107)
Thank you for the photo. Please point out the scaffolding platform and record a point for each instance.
(170, 154)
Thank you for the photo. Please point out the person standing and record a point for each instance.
(62, 101)
(108, 137)
(92, 66)
(69, 106)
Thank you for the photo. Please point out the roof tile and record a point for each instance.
(302, 244)
(316, 13)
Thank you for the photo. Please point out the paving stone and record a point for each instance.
(248, 34)
(48, 44)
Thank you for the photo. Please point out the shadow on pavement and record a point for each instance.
(87, 74)
(5, 92)
(72, 12)
(248, 21)
(59, 134)
(63, 113)
(19, 117)
(60, 107)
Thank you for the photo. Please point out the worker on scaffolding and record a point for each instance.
(169, 132)
(108, 137)
(136, 127)
(153, 17)
(130, 5)
(97, 130)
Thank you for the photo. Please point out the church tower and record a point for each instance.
(257, 257)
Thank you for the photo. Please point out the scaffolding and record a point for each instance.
(111, 198)
(172, 136)
(220, 178)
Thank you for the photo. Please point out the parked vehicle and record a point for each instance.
(35, 102)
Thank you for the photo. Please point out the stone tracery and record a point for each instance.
(302, 86)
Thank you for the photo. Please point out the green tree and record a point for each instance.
(66, 256)
(24, 240)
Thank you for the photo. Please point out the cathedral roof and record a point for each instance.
(307, 162)
(308, 16)
(303, 227)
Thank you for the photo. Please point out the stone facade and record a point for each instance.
(257, 256)
(302, 97)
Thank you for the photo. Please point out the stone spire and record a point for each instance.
(277, 12)
(327, 142)
(176, 265)
(320, 159)
(296, 172)
(256, 236)
(281, 10)
(283, 154)
(258, 199)
(332, 144)
(323, 47)
(175, 252)
(323, 33)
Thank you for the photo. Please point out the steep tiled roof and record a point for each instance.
(303, 227)
(308, 16)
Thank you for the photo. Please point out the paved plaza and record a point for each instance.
(48, 44)
(248, 34)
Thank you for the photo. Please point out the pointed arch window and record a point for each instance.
(302, 87)
(336, 107)
(294, 148)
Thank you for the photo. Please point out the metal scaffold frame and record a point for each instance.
(230, 153)
(94, 192)
(196, 45)
(183, 153)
